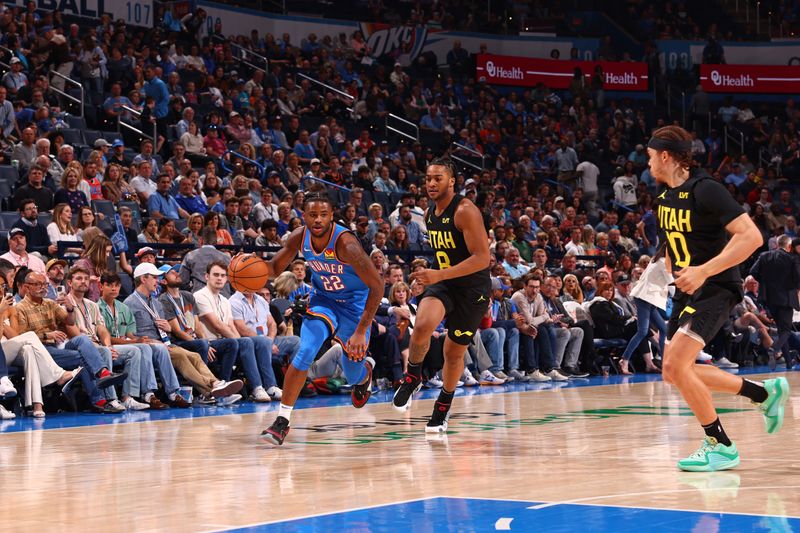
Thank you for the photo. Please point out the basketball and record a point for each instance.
(248, 272)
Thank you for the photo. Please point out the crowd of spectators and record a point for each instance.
(561, 178)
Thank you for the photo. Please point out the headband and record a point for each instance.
(670, 146)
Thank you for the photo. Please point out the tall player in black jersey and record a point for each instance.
(696, 214)
(458, 289)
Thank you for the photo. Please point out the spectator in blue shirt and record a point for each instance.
(433, 121)
(304, 149)
(188, 200)
(162, 204)
(737, 175)
(415, 235)
(155, 87)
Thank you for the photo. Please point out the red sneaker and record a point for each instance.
(361, 393)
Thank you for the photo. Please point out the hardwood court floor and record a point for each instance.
(612, 446)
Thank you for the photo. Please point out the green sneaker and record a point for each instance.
(772, 408)
(710, 457)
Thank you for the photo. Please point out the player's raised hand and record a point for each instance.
(426, 277)
(356, 347)
(689, 279)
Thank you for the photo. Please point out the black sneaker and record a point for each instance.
(361, 392)
(772, 361)
(438, 421)
(575, 372)
(276, 433)
(402, 396)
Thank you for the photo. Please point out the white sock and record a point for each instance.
(147, 397)
(172, 396)
(285, 411)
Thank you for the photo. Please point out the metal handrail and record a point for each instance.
(10, 52)
(69, 96)
(244, 52)
(326, 183)
(732, 136)
(476, 153)
(137, 114)
(388, 128)
(683, 104)
(340, 92)
(237, 154)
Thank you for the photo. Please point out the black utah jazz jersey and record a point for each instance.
(450, 247)
(692, 220)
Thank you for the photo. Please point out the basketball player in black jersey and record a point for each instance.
(458, 289)
(696, 215)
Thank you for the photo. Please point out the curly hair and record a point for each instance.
(677, 134)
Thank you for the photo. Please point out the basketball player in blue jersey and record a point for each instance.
(346, 292)
(459, 289)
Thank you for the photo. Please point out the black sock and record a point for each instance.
(415, 369)
(714, 429)
(754, 391)
(445, 397)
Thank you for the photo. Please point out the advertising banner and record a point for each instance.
(528, 72)
(404, 43)
(683, 55)
(750, 79)
(133, 12)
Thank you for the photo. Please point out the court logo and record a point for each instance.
(404, 428)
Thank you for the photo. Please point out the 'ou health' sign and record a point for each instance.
(750, 78)
(556, 74)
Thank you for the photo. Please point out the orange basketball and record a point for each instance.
(248, 272)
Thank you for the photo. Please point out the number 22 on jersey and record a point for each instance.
(332, 283)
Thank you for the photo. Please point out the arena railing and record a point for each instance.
(406, 255)
(347, 97)
(244, 54)
(237, 154)
(404, 122)
(69, 97)
(122, 124)
(733, 135)
(10, 53)
(322, 181)
(461, 148)
(673, 94)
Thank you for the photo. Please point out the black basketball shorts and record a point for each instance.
(702, 314)
(464, 309)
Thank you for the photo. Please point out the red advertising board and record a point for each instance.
(750, 78)
(556, 74)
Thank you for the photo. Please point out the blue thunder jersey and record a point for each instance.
(332, 278)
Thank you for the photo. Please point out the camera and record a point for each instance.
(299, 307)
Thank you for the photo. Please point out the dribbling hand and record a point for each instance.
(356, 347)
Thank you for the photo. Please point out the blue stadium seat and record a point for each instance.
(8, 218)
(9, 174)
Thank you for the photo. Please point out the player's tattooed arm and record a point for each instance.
(286, 254)
(350, 251)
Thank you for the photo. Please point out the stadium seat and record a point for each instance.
(73, 137)
(78, 123)
(9, 174)
(90, 136)
(8, 218)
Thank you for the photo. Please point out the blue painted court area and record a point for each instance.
(473, 514)
(72, 420)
